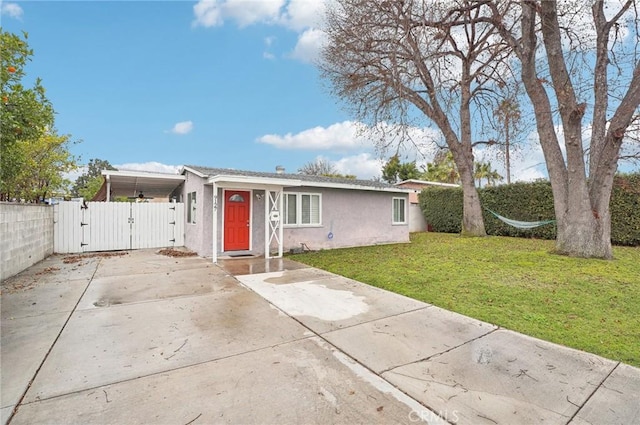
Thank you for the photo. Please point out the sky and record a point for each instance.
(153, 85)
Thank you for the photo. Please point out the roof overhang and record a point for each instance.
(252, 182)
(132, 183)
(426, 183)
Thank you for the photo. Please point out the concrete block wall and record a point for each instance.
(26, 236)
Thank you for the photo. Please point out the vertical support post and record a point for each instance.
(280, 226)
(214, 230)
(108, 188)
(267, 223)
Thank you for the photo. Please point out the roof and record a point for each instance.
(426, 183)
(132, 183)
(292, 180)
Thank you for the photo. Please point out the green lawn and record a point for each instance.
(591, 305)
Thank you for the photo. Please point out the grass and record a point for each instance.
(518, 284)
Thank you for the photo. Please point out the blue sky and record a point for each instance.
(223, 83)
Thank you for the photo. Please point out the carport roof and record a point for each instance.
(132, 183)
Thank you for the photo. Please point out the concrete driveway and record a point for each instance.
(147, 338)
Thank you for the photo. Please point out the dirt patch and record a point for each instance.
(77, 258)
(47, 271)
(170, 252)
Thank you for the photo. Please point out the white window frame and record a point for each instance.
(298, 198)
(192, 203)
(393, 211)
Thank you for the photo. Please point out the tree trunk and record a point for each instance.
(472, 220)
(584, 231)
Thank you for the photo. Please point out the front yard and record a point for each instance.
(591, 305)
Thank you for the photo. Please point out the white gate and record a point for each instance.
(112, 226)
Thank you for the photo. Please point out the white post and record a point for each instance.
(214, 255)
(280, 230)
(267, 223)
(108, 188)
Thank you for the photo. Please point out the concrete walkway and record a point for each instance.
(146, 338)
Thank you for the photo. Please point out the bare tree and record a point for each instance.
(398, 61)
(319, 167)
(581, 198)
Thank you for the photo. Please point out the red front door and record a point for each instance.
(236, 220)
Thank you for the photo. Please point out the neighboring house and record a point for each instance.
(255, 213)
(417, 222)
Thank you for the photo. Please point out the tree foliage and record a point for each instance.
(395, 171)
(442, 169)
(89, 182)
(39, 167)
(32, 155)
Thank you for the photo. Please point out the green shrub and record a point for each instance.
(442, 209)
(625, 210)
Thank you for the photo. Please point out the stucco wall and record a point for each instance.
(417, 223)
(194, 233)
(354, 218)
(26, 236)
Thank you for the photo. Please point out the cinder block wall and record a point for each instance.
(26, 236)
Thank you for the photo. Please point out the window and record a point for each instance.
(302, 209)
(191, 207)
(399, 208)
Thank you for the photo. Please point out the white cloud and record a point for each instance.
(210, 13)
(152, 166)
(364, 166)
(11, 9)
(309, 45)
(207, 13)
(301, 14)
(183, 127)
(351, 136)
(341, 136)
(74, 174)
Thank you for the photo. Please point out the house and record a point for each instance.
(417, 222)
(234, 213)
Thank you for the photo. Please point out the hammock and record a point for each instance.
(521, 224)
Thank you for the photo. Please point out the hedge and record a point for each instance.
(442, 209)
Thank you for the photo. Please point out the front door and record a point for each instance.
(236, 220)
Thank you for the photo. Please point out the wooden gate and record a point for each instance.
(112, 226)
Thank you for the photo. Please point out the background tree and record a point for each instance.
(581, 198)
(395, 171)
(509, 126)
(89, 182)
(484, 171)
(442, 169)
(40, 165)
(322, 167)
(32, 155)
(396, 61)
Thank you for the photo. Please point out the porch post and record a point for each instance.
(267, 223)
(280, 226)
(214, 232)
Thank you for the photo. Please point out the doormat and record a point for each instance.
(240, 255)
